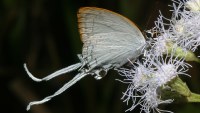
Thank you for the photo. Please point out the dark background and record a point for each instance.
(44, 34)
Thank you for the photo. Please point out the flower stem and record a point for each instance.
(188, 55)
(181, 88)
(193, 97)
(191, 57)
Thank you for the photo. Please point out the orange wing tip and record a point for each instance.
(85, 9)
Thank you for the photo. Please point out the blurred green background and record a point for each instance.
(44, 34)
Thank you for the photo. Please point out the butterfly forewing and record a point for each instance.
(94, 20)
(108, 37)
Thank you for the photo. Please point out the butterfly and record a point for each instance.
(109, 40)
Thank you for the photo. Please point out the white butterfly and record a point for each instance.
(109, 39)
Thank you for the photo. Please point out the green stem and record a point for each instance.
(182, 89)
(191, 57)
(188, 55)
(193, 97)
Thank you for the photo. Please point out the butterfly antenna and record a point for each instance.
(55, 74)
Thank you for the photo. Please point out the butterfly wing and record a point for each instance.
(109, 38)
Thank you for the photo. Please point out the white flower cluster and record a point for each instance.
(161, 63)
(145, 79)
(182, 29)
(186, 24)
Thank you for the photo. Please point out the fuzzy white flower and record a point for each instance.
(185, 24)
(181, 30)
(179, 33)
(160, 44)
(189, 36)
(146, 78)
(152, 101)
